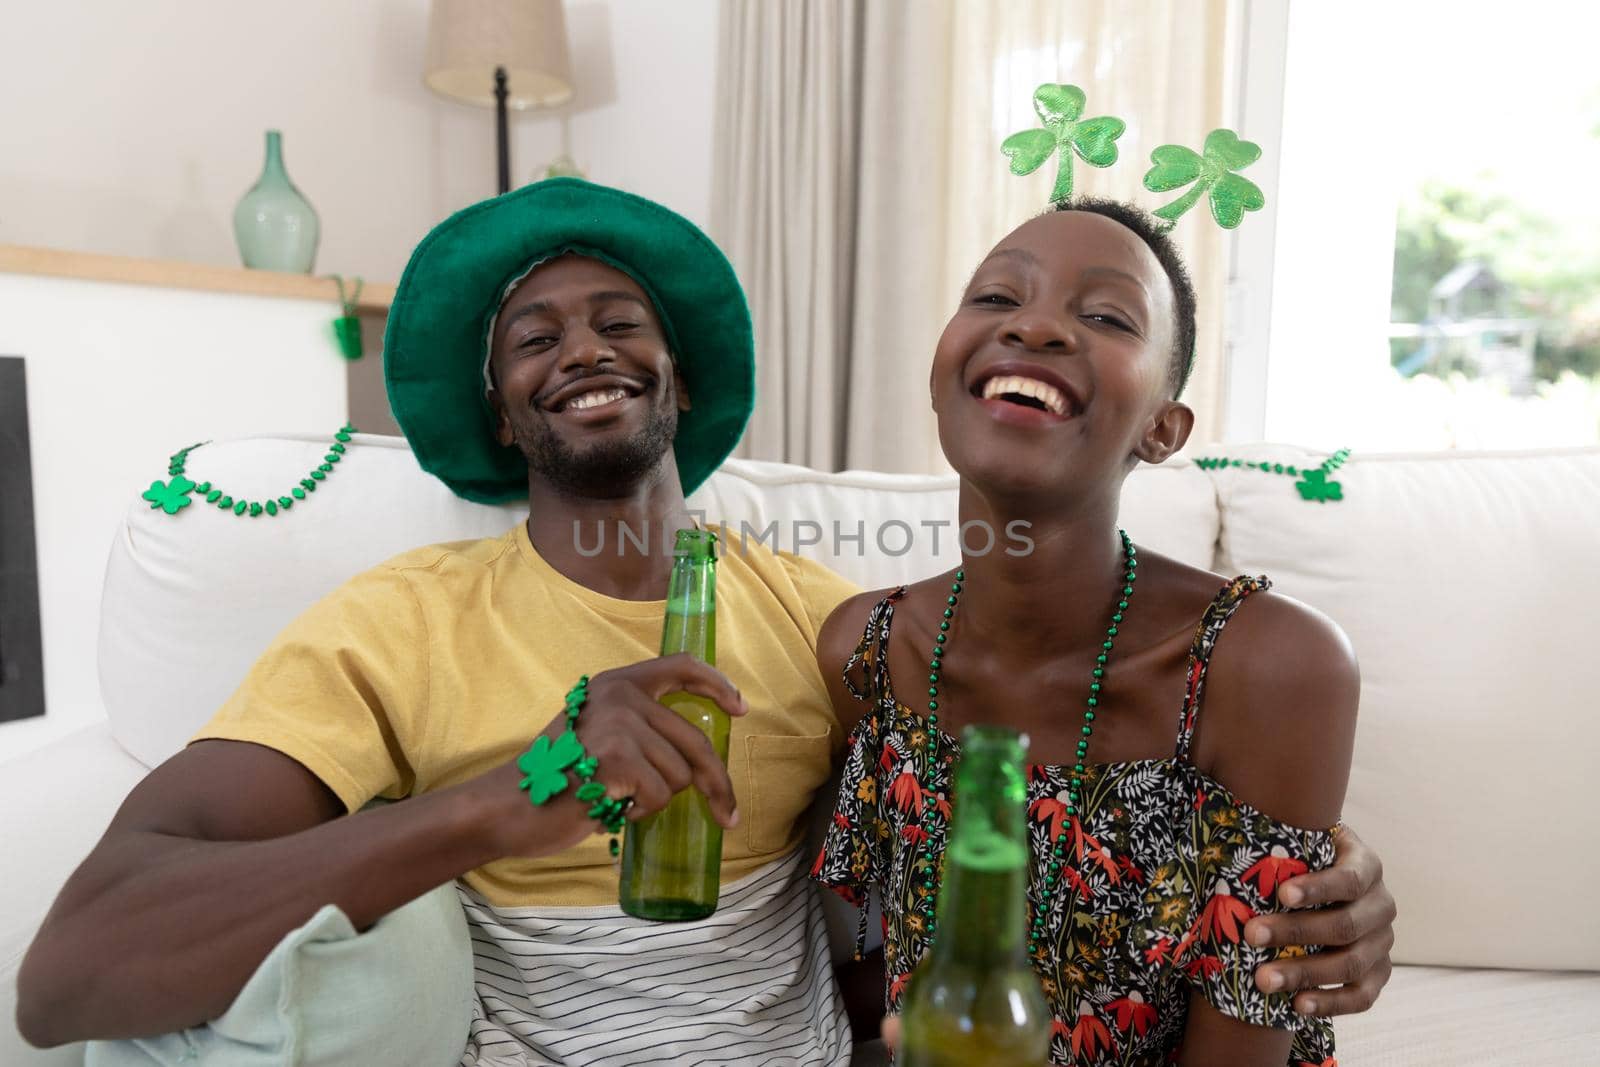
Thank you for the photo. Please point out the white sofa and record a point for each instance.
(1468, 583)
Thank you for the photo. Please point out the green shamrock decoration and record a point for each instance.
(545, 765)
(171, 497)
(1094, 140)
(1315, 486)
(1231, 195)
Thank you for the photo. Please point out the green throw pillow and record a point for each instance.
(400, 995)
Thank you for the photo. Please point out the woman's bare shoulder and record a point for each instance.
(1278, 720)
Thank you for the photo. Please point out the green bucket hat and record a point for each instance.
(444, 307)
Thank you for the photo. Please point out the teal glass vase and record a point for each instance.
(275, 225)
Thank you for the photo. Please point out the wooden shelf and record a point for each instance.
(55, 263)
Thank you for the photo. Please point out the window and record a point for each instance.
(1435, 272)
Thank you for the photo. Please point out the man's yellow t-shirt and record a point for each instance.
(447, 661)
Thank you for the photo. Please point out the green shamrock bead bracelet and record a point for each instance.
(546, 763)
(180, 491)
(1314, 485)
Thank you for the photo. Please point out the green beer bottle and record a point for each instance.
(975, 1000)
(672, 860)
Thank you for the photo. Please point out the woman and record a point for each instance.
(1191, 735)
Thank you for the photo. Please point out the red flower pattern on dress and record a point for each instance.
(1082, 840)
(888, 758)
(906, 792)
(1073, 880)
(1089, 1035)
(1132, 1013)
(1107, 863)
(1224, 915)
(1185, 943)
(914, 834)
(1160, 952)
(1204, 967)
(1273, 869)
(1052, 810)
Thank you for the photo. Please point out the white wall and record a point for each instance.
(134, 128)
(119, 378)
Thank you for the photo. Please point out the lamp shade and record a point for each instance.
(468, 39)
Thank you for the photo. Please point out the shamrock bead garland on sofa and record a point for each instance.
(175, 495)
(1313, 485)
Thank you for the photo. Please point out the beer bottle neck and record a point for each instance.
(983, 901)
(692, 598)
(983, 915)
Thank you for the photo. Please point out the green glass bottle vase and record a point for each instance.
(276, 226)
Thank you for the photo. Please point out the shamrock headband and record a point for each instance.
(1211, 171)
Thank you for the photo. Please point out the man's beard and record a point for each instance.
(606, 466)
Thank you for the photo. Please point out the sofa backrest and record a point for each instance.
(192, 599)
(1467, 584)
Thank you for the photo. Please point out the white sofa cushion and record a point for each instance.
(1469, 585)
(862, 520)
(191, 600)
(1436, 1017)
(54, 805)
(399, 993)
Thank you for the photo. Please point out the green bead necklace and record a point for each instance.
(1313, 484)
(175, 495)
(1075, 786)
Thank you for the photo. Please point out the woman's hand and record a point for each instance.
(1356, 930)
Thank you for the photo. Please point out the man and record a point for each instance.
(591, 350)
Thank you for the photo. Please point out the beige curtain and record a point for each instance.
(783, 204)
(855, 210)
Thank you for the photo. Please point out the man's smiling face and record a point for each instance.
(585, 385)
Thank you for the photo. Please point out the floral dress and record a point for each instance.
(1160, 876)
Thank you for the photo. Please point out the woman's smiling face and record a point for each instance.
(1056, 369)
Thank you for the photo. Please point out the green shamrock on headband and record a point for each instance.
(1094, 140)
(1212, 172)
